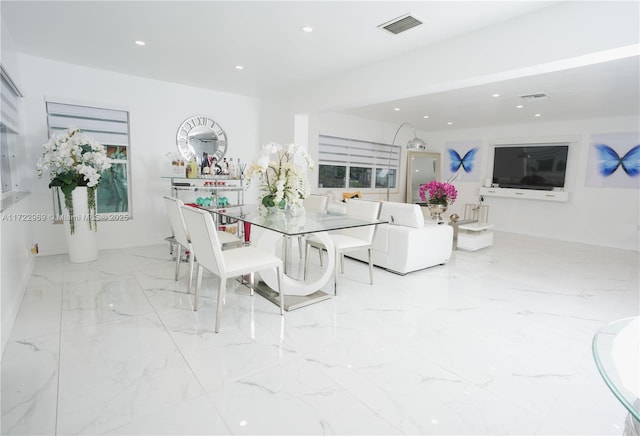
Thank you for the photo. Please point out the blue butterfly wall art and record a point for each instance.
(465, 162)
(610, 161)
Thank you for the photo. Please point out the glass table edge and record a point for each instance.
(603, 373)
(221, 211)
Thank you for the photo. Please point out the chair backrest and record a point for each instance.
(366, 210)
(204, 239)
(316, 203)
(174, 209)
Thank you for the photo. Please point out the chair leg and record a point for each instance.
(178, 254)
(370, 266)
(341, 263)
(280, 290)
(221, 292)
(335, 276)
(300, 245)
(192, 262)
(198, 283)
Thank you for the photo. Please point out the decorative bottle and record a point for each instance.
(215, 166)
(192, 172)
(204, 165)
(232, 168)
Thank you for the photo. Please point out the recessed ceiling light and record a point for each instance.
(426, 116)
(495, 95)
(307, 29)
(450, 123)
(396, 108)
(519, 106)
(141, 43)
(239, 67)
(537, 115)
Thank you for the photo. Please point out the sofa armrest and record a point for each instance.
(413, 249)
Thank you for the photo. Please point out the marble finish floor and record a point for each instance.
(495, 342)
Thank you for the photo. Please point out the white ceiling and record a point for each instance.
(607, 89)
(199, 43)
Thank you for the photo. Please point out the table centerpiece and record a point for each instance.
(282, 173)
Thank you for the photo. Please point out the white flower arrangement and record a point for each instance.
(284, 181)
(74, 159)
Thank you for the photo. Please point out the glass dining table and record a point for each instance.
(616, 351)
(277, 230)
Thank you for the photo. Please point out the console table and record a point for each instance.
(530, 194)
(214, 188)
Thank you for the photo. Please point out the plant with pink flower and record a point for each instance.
(438, 193)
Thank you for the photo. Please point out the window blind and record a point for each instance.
(107, 126)
(333, 150)
(9, 94)
(9, 132)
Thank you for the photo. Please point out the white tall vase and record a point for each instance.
(82, 244)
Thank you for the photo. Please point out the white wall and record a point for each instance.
(17, 262)
(16, 237)
(582, 219)
(156, 110)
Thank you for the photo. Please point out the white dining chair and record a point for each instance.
(225, 264)
(181, 235)
(313, 203)
(351, 239)
(316, 202)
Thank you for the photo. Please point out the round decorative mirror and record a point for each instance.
(200, 134)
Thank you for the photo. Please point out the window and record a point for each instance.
(351, 163)
(9, 117)
(110, 127)
(359, 177)
(332, 176)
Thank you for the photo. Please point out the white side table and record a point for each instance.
(474, 236)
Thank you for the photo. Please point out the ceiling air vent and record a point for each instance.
(400, 24)
(536, 96)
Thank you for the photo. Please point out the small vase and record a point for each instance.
(437, 209)
(295, 210)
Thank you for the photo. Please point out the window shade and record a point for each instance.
(9, 94)
(333, 150)
(107, 126)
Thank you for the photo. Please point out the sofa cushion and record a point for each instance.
(402, 214)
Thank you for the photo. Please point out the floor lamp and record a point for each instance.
(414, 144)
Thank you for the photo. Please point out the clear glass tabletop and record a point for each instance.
(285, 223)
(615, 350)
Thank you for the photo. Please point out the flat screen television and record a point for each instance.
(530, 166)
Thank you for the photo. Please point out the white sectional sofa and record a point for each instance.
(408, 242)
